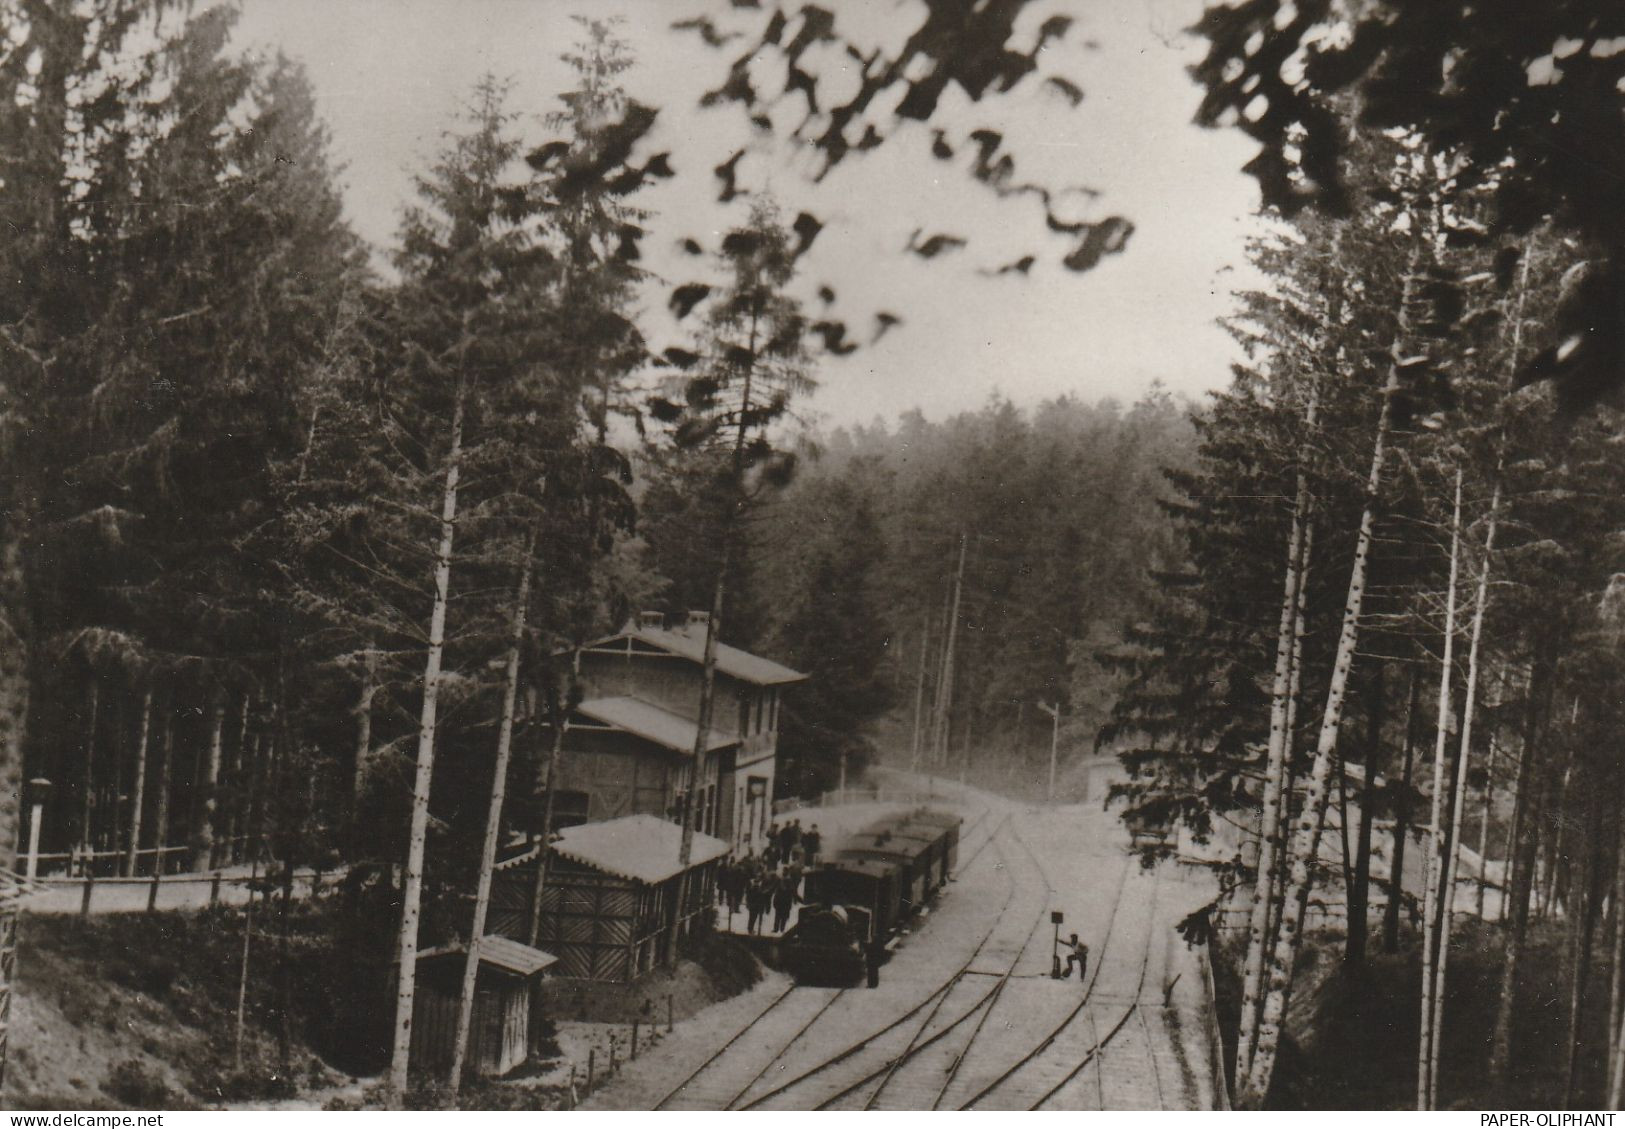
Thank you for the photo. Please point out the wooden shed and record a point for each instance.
(610, 900)
(500, 1037)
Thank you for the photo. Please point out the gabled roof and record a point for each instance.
(652, 723)
(731, 661)
(501, 953)
(639, 847)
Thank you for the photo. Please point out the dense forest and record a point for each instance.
(298, 538)
(295, 541)
(1401, 530)
(858, 565)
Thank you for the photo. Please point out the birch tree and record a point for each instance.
(1307, 830)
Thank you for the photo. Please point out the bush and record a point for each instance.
(148, 969)
(132, 1083)
(727, 961)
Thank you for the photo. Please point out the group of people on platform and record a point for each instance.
(770, 881)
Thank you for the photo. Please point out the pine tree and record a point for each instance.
(753, 366)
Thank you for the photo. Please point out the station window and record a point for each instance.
(570, 809)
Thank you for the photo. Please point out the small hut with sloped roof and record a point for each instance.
(502, 1034)
(611, 897)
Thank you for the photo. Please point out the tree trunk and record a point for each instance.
(1402, 821)
(1583, 903)
(242, 975)
(945, 692)
(363, 746)
(493, 821)
(1435, 862)
(702, 741)
(1294, 696)
(15, 692)
(113, 826)
(138, 793)
(1343, 824)
(1556, 829)
(1359, 898)
(412, 894)
(203, 840)
(1275, 776)
(548, 773)
(1307, 839)
(87, 842)
(1484, 830)
(919, 697)
(166, 771)
(236, 771)
(363, 728)
(285, 833)
(1459, 800)
(935, 722)
(1526, 820)
(1616, 1001)
(708, 671)
(254, 816)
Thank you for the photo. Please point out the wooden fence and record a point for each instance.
(836, 798)
(174, 859)
(91, 894)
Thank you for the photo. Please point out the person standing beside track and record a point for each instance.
(1078, 954)
(784, 898)
(755, 904)
(790, 838)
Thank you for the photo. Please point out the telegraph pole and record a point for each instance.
(1054, 741)
(945, 699)
(919, 693)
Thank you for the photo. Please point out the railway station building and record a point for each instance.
(629, 745)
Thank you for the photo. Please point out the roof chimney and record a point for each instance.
(696, 625)
(651, 621)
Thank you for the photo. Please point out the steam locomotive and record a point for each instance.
(863, 896)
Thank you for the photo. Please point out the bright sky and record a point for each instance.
(390, 74)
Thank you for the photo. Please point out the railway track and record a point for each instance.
(1023, 1076)
(917, 1062)
(816, 1086)
(1125, 1021)
(938, 1053)
(713, 1083)
(917, 1067)
(914, 1061)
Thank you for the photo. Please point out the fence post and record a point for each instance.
(611, 1055)
(634, 1053)
(157, 876)
(35, 818)
(592, 1055)
(214, 890)
(570, 1094)
(668, 1013)
(84, 900)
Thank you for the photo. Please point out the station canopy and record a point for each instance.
(642, 848)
